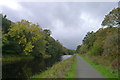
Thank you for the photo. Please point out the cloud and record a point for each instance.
(69, 22)
(11, 4)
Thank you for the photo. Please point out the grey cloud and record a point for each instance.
(69, 22)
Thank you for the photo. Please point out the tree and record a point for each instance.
(71, 52)
(54, 48)
(89, 39)
(9, 46)
(5, 24)
(96, 49)
(6, 40)
(78, 48)
(111, 46)
(28, 35)
(113, 18)
(83, 49)
(47, 32)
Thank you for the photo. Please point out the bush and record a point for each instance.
(116, 63)
(96, 50)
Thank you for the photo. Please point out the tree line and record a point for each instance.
(104, 42)
(25, 38)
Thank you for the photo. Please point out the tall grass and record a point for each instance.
(58, 70)
(71, 73)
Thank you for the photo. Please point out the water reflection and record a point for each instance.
(25, 69)
(65, 57)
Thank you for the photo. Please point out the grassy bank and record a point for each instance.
(6, 59)
(106, 71)
(58, 70)
(72, 71)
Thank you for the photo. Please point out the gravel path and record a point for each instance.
(85, 70)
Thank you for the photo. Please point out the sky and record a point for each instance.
(68, 21)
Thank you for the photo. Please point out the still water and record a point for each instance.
(65, 57)
(25, 69)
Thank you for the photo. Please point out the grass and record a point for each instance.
(104, 70)
(72, 71)
(58, 70)
(6, 59)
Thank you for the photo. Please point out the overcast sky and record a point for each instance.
(69, 22)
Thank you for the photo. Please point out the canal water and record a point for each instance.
(64, 57)
(26, 69)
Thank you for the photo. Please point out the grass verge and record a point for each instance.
(72, 71)
(58, 70)
(105, 71)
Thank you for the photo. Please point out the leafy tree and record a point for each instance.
(54, 48)
(97, 49)
(5, 24)
(111, 46)
(89, 39)
(83, 49)
(78, 48)
(9, 46)
(113, 18)
(28, 36)
(6, 40)
(47, 32)
(71, 52)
